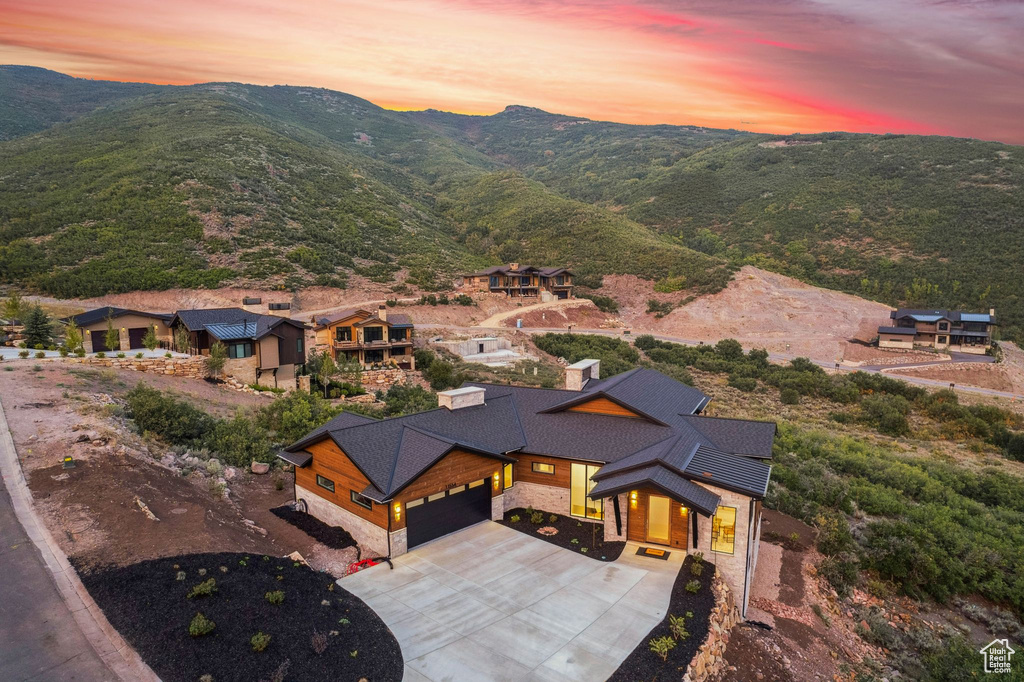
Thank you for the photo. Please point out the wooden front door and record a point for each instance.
(658, 520)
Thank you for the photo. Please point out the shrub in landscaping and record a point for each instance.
(696, 569)
(537, 518)
(552, 518)
(22, 353)
(275, 597)
(661, 646)
(121, 355)
(80, 352)
(200, 625)
(101, 354)
(677, 626)
(693, 586)
(514, 518)
(260, 641)
(63, 351)
(789, 396)
(40, 355)
(203, 589)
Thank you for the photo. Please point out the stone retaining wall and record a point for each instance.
(194, 367)
(374, 380)
(709, 659)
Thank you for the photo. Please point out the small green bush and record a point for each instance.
(514, 518)
(80, 352)
(22, 353)
(661, 646)
(63, 351)
(275, 597)
(552, 518)
(200, 625)
(203, 589)
(693, 586)
(677, 626)
(140, 355)
(745, 384)
(260, 641)
(40, 355)
(101, 354)
(537, 518)
(696, 569)
(121, 355)
(789, 396)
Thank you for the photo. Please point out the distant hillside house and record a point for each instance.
(517, 280)
(131, 325)
(380, 338)
(943, 329)
(262, 349)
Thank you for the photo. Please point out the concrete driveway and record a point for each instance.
(491, 603)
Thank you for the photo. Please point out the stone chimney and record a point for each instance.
(252, 304)
(457, 398)
(578, 374)
(513, 266)
(382, 312)
(991, 312)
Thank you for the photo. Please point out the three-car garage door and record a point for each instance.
(446, 512)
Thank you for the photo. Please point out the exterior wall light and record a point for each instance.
(632, 499)
(497, 479)
(398, 511)
(682, 511)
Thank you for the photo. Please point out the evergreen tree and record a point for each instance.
(38, 328)
(72, 336)
(112, 337)
(216, 359)
(149, 340)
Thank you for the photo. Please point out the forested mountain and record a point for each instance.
(111, 187)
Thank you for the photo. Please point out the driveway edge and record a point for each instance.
(120, 658)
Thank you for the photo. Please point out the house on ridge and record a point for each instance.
(941, 329)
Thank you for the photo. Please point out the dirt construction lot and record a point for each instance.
(120, 504)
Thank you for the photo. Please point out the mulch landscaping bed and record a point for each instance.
(569, 529)
(334, 537)
(644, 664)
(149, 606)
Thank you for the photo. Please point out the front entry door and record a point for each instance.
(658, 519)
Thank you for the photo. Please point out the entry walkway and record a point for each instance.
(491, 603)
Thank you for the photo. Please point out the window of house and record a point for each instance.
(542, 468)
(476, 484)
(435, 496)
(397, 334)
(343, 333)
(325, 483)
(240, 350)
(942, 339)
(723, 530)
(508, 475)
(943, 326)
(371, 334)
(559, 280)
(298, 345)
(371, 356)
(580, 484)
(361, 500)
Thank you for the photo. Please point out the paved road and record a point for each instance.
(778, 357)
(39, 638)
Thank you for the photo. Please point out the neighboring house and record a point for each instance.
(521, 280)
(942, 329)
(262, 349)
(380, 338)
(631, 453)
(131, 325)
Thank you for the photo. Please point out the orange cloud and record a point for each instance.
(795, 65)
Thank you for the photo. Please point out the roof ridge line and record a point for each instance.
(394, 461)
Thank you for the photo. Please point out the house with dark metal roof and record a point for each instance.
(515, 280)
(262, 349)
(378, 339)
(131, 325)
(952, 330)
(632, 453)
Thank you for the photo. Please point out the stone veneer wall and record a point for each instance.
(732, 567)
(399, 542)
(370, 536)
(498, 507)
(374, 380)
(194, 367)
(709, 659)
(543, 497)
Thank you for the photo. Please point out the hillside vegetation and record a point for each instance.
(288, 186)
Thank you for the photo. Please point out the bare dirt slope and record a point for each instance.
(757, 308)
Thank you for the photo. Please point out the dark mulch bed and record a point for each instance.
(644, 664)
(148, 605)
(569, 529)
(334, 537)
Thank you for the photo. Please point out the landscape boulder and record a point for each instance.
(259, 467)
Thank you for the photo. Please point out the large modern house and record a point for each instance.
(517, 280)
(131, 325)
(943, 329)
(380, 338)
(262, 349)
(631, 453)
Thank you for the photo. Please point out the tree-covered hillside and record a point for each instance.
(156, 186)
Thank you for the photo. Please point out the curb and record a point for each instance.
(119, 657)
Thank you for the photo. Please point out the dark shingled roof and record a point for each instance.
(393, 452)
(685, 492)
(100, 314)
(942, 313)
(906, 331)
(233, 323)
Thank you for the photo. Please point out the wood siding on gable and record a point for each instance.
(330, 462)
(601, 405)
(457, 468)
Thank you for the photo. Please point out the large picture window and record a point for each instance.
(371, 334)
(240, 350)
(343, 334)
(579, 485)
(723, 530)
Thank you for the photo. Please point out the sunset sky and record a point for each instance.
(952, 67)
